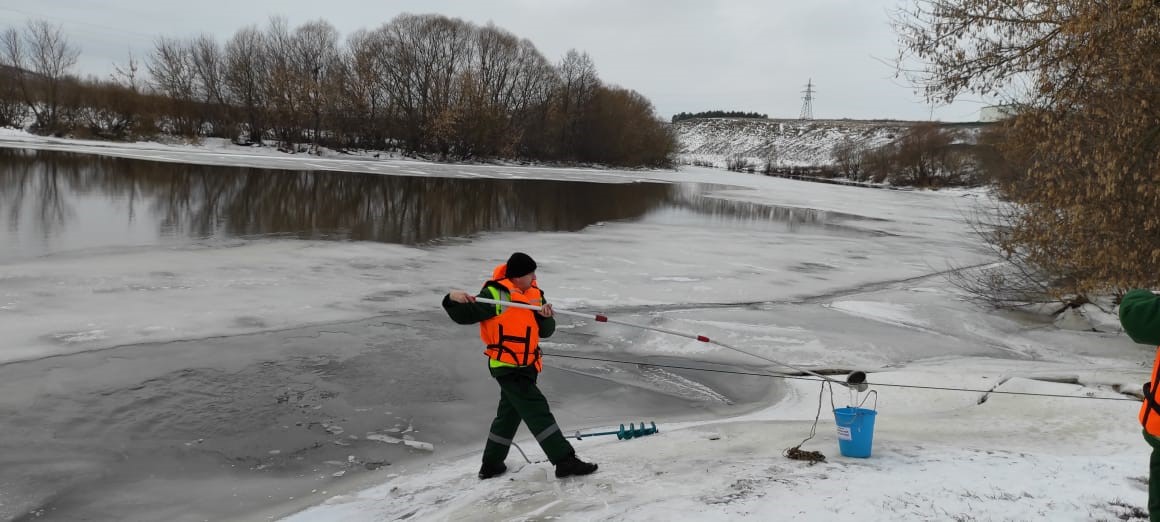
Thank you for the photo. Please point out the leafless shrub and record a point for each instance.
(738, 163)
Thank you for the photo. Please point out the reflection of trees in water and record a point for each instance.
(747, 211)
(202, 201)
(206, 200)
(39, 185)
(693, 197)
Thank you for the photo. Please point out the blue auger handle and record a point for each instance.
(624, 433)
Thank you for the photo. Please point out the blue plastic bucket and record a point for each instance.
(855, 431)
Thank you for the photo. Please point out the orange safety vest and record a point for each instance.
(512, 336)
(1150, 410)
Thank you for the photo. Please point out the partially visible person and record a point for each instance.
(1140, 317)
(511, 337)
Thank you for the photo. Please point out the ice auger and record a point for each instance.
(624, 433)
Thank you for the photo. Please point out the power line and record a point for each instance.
(805, 378)
(808, 101)
(105, 28)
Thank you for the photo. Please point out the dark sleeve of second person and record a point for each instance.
(1140, 316)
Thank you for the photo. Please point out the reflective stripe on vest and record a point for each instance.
(1150, 410)
(513, 336)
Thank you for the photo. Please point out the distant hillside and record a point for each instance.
(789, 143)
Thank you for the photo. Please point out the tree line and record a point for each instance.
(925, 155)
(421, 84)
(716, 114)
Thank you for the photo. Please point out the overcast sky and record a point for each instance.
(684, 55)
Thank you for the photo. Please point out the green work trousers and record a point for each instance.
(520, 399)
(1153, 478)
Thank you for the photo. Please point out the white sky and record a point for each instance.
(751, 55)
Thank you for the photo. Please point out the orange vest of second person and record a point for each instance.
(1150, 410)
(512, 336)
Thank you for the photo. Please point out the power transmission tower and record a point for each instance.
(808, 102)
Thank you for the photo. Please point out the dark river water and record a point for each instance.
(226, 427)
(57, 201)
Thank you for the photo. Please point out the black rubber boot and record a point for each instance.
(487, 471)
(571, 466)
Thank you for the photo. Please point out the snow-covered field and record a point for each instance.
(865, 297)
(787, 143)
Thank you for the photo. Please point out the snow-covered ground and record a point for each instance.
(862, 295)
(787, 143)
(936, 457)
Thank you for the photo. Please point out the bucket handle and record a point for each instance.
(864, 399)
(854, 418)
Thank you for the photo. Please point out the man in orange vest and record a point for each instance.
(1140, 317)
(511, 337)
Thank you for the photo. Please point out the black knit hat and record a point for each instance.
(519, 265)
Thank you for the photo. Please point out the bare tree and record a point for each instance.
(12, 106)
(879, 162)
(207, 63)
(535, 87)
(108, 109)
(424, 56)
(848, 158)
(923, 156)
(497, 60)
(578, 79)
(363, 88)
(12, 98)
(245, 72)
(174, 76)
(45, 51)
(127, 74)
(621, 128)
(282, 93)
(117, 108)
(487, 94)
(315, 61)
(578, 83)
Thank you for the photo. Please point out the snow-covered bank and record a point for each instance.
(937, 456)
(217, 151)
